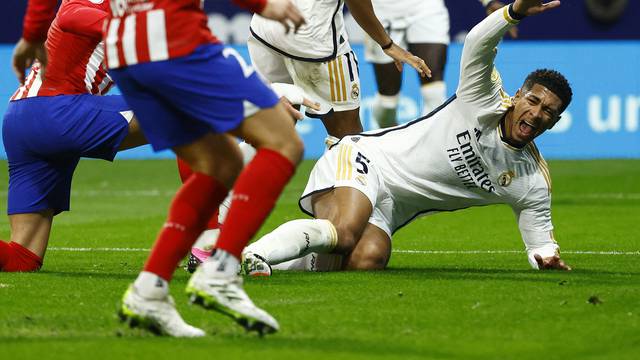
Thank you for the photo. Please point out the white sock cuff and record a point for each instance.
(248, 152)
(433, 89)
(329, 231)
(387, 101)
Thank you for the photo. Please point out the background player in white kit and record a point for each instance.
(318, 58)
(475, 149)
(422, 27)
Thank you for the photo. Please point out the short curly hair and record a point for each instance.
(552, 80)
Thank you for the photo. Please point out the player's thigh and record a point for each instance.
(37, 183)
(216, 155)
(135, 137)
(272, 128)
(372, 252)
(334, 84)
(348, 209)
(435, 55)
(388, 77)
(267, 62)
(343, 123)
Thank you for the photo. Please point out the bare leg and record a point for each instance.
(32, 230)
(372, 252)
(348, 210)
(342, 123)
(134, 138)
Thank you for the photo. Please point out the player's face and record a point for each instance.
(535, 111)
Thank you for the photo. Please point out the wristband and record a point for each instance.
(387, 46)
(514, 14)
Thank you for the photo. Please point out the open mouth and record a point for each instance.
(527, 129)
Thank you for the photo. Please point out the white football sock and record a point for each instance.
(295, 239)
(151, 286)
(221, 264)
(385, 109)
(312, 262)
(207, 240)
(248, 152)
(433, 95)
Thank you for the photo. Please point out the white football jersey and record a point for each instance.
(455, 157)
(321, 39)
(389, 10)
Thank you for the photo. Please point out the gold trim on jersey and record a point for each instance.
(510, 20)
(337, 82)
(542, 164)
(507, 102)
(344, 170)
(331, 81)
(342, 82)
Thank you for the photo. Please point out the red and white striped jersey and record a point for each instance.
(140, 31)
(75, 53)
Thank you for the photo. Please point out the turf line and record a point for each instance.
(423, 252)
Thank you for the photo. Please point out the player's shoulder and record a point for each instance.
(539, 164)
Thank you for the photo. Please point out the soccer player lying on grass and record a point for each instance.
(475, 149)
(53, 121)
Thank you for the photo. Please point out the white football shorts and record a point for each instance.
(429, 24)
(334, 84)
(344, 165)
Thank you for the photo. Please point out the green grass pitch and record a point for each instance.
(458, 285)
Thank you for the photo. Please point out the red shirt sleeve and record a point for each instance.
(82, 20)
(255, 6)
(39, 15)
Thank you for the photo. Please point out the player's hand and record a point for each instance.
(285, 12)
(24, 54)
(495, 5)
(534, 7)
(293, 96)
(400, 56)
(551, 263)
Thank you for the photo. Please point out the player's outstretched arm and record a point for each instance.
(363, 13)
(533, 7)
(493, 5)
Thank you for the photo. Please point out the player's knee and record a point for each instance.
(290, 146)
(368, 257)
(347, 239)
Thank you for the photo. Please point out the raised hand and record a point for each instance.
(285, 12)
(24, 54)
(400, 56)
(534, 7)
(551, 263)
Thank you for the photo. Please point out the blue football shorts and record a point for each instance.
(45, 137)
(179, 100)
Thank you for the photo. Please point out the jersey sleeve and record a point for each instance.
(255, 6)
(479, 81)
(81, 19)
(38, 18)
(534, 221)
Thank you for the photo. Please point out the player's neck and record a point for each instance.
(505, 129)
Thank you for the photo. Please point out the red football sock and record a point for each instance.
(254, 196)
(185, 171)
(192, 207)
(14, 257)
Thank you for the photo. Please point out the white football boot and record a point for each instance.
(254, 265)
(212, 289)
(156, 315)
